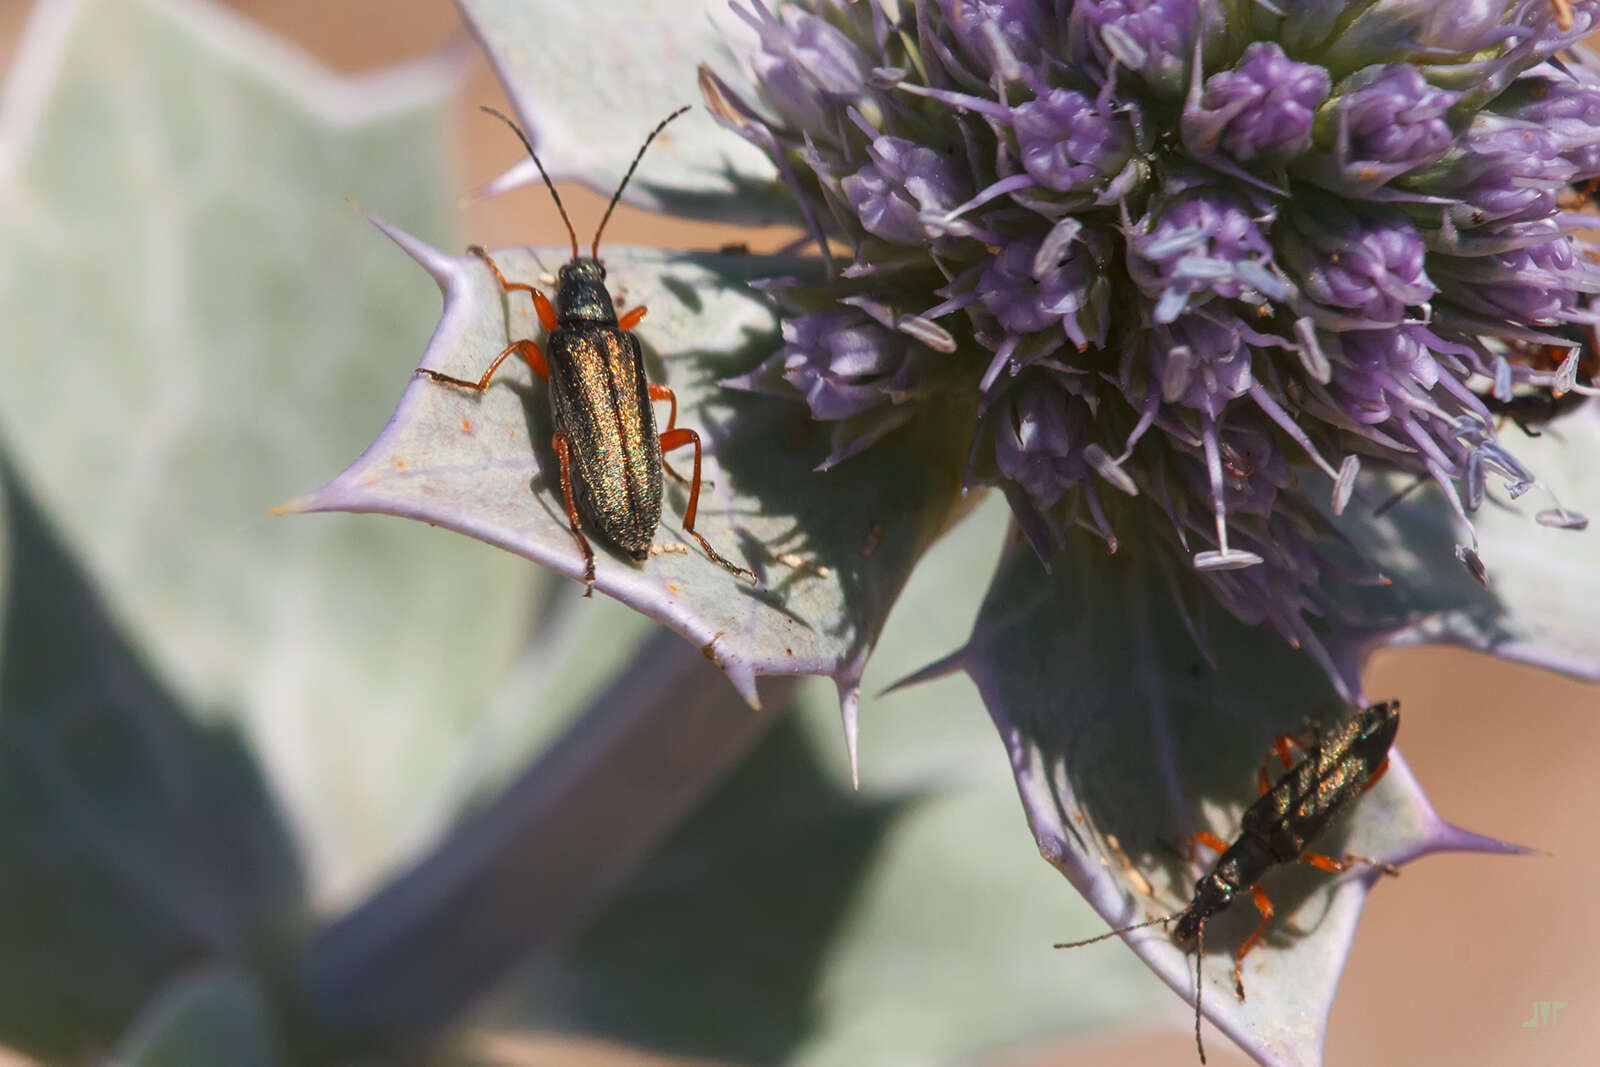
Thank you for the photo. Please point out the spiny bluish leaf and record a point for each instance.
(1124, 740)
(201, 1019)
(589, 81)
(196, 325)
(873, 909)
(1539, 608)
(831, 549)
(138, 839)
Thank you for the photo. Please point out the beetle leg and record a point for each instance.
(1383, 769)
(1333, 866)
(661, 392)
(677, 439)
(632, 318)
(530, 352)
(1208, 839)
(1280, 747)
(541, 303)
(558, 441)
(1264, 906)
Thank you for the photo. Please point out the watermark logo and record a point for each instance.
(1544, 1015)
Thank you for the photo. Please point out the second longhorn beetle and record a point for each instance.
(605, 440)
(1334, 771)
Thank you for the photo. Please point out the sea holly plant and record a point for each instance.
(1267, 322)
(305, 791)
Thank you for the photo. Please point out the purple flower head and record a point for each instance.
(1365, 270)
(1532, 286)
(1069, 142)
(806, 68)
(1378, 374)
(1200, 362)
(1026, 295)
(1569, 110)
(1209, 253)
(846, 364)
(1206, 243)
(1388, 121)
(1039, 439)
(1434, 28)
(1098, 175)
(1005, 36)
(1254, 470)
(1261, 111)
(1508, 171)
(903, 181)
(1152, 38)
(1012, 294)
(1456, 26)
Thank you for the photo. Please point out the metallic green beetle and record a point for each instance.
(605, 439)
(1289, 814)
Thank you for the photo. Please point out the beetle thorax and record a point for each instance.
(581, 293)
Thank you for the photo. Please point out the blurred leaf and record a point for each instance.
(1543, 587)
(1125, 740)
(518, 875)
(832, 548)
(197, 324)
(201, 1020)
(796, 920)
(716, 947)
(620, 68)
(139, 841)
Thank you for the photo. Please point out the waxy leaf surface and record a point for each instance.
(589, 81)
(794, 919)
(1544, 582)
(1125, 740)
(831, 550)
(139, 839)
(196, 326)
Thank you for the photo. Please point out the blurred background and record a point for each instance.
(1451, 958)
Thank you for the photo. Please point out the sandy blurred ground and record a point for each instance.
(1451, 957)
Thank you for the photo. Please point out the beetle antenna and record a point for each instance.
(548, 184)
(595, 251)
(1118, 930)
(1199, 961)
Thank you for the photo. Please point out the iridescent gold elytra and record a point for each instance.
(605, 441)
(1289, 814)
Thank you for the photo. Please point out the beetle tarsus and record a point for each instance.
(558, 442)
(677, 439)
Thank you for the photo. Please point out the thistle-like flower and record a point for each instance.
(1206, 282)
(1183, 255)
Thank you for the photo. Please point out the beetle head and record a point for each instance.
(581, 293)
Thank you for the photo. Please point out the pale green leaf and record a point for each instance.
(197, 325)
(831, 549)
(1539, 607)
(138, 840)
(589, 81)
(795, 920)
(200, 1020)
(1125, 739)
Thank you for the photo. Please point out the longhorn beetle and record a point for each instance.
(1289, 814)
(605, 440)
